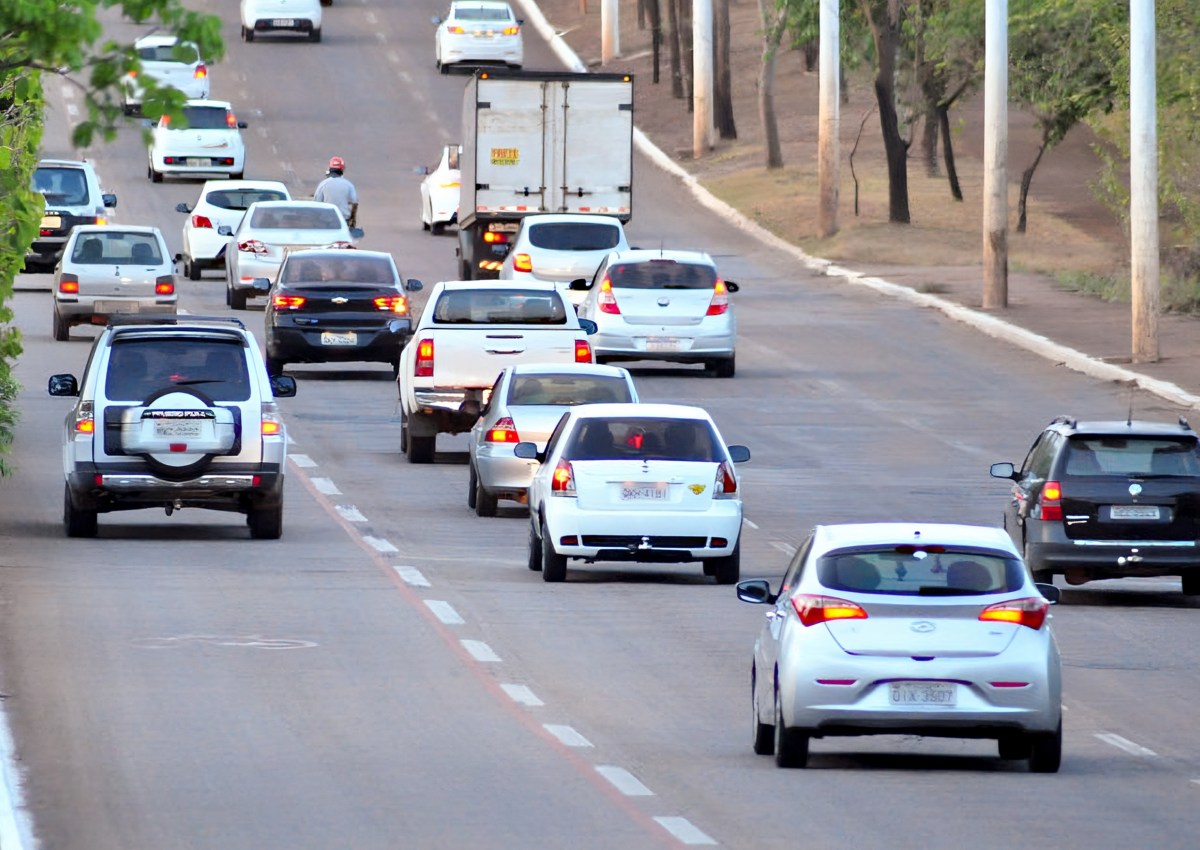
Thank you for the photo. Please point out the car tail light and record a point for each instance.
(392, 304)
(201, 71)
(522, 263)
(252, 246)
(453, 184)
(1051, 508)
(165, 285)
(726, 483)
(341, 243)
(606, 299)
(272, 426)
(423, 365)
(1030, 612)
(101, 219)
(133, 73)
(230, 119)
(201, 221)
(511, 30)
(720, 299)
(457, 30)
(813, 609)
(84, 423)
(583, 351)
(504, 431)
(69, 284)
(562, 482)
(166, 120)
(288, 302)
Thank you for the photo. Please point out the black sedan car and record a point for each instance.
(336, 305)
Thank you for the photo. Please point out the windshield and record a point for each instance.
(574, 236)
(506, 307)
(662, 274)
(241, 199)
(645, 438)
(115, 247)
(567, 389)
(61, 185)
(1096, 456)
(138, 367)
(921, 570)
(297, 218)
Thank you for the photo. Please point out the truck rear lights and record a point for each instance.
(814, 608)
(1030, 611)
(392, 304)
(606, 300)
(725, 486)
(423, 364)
(504, 431)
(562, 482)
(583, 351)
(165, 285)
(720, 299)
(1051, 502)
(522, 263)
(201, 221)
(288, 302)
(69, 283)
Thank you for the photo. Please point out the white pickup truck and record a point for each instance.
(468, 332)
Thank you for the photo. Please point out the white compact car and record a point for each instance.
(525, 404)
(662, 305)
(109, 270)
(268, 17)
(907, 629)
(647, 483)
(440, 190)
(266, 231)
(169, 62)
(222, 203)
(561, 248)
(476, 32)
(210, 145)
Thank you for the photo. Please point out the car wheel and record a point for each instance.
(266, 523)
(1045, 751)
(723, 368)
(274, 366)
(403, 432)
(554, 565)
(1014, 747)
(62, 328)
(728, 569)
(191, 269)
(237, 298)
(764, 733)
(238, 175)
(421, 449)
(437, 228)
(76, 522)
(791, 747)
(535, 550)
(1191, 583)
(443, 67)
(315, 35)
(155, 176)
(472, 486)
(395, 368)
(485, 502)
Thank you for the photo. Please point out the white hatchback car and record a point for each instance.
(562, 247)
(907, 629)
(440, 191)
(478, 32)
(222, 203)
(267, 230)
(647, 483)
(211, 143)
(169, 62)
(107, 270)
(267, 17)
(662, 305)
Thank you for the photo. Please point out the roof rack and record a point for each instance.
(1064, 419)
(171, 319)
(1183, 423)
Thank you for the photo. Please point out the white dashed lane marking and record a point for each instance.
(411, 576)
(684, 830)
(303, 461)
(1125, 744)
(567, 735)
(379, 544)
(445, 612)
(326, 486)
(624, 781)
(349, 513)
(522, 695)
(480, 651)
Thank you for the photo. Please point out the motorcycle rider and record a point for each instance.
(337, 190)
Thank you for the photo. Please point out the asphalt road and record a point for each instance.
(390, 674)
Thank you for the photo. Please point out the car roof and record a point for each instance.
(497, 285)
(60, 163)
(613, 410)
(841, 535)
(478, 4)
(568, 369)
(157, 40)
(1123, 426)
(221, 104)
(293, 204)
(219, 185)
(645, 255)
(116, 228)
(336, 254)
(571, 218)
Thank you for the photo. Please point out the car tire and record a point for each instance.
(1045, 751)
(763, 733)
(421, 449)
(485, 503)
(315, 35)
(239, 175)
(266, 523)
(1014, 747)
(535, 550)
(791, 746)
(437, 228)
(237, 298)
(62, 328)
(395, 364)
(472, 485)
(722, 368)
(1191, 583)
(403, 433)
(155, 176)
(76, 522)
(191, 269)
(274, 366)
(554, 565)
(728, 569)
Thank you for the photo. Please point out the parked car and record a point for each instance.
(478, 32)
(268, 17)
(662, 305)
(222, 203)
(642, 483)
(906, 629)
(267, 229)
(109, 270)
(439, 191)
(169, 62)
(1103, 499)
(210, 144)
(561, 248)
(72, 193)
(337, 306)
(524, 405)
(173, 413)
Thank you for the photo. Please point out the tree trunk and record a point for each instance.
(772, 30)
(943, 116)
(686, 66)
(1026, 180)
(886, 35)
(673, 48)
(656, 37)
(929, 138)
(722, 81)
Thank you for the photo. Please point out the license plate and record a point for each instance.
(109, 307)
(198, 162)
(175, 428)
(331, 338)
(923, 693)
(51, 222)
(283, 22)
(1134, 512)
(662, 343)
(643, 493)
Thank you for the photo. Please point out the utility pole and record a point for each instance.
(702, 77)
(995, 156)
(828, 118)
(1143, 181)
(610, 31)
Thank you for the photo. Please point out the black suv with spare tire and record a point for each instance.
(174, 412)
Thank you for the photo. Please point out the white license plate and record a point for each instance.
(283, 22)
(923, 693)
(1134, 512)
(662, 343)
(643, 493)
(177, 428)
(51, 222)
(331, 338)
(107, 308)
(198, 162)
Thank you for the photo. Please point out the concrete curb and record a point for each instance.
(985, 323)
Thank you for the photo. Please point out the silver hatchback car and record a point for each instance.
(907, 628)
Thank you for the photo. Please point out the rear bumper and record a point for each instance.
(1098, 559)
(86, 309)
(234, 488)
(296, 25)
(376, 345)
(695, 343)
(649, 537)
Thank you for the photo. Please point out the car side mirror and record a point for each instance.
(1004, 470)
(580, 285)
(110, 200)
(437, 20)
(526, 451)
(589, 327)
(63, 385)
(225, 230)
(356, 233)
(739, 454)
(182, 207)
(730, 286)
(1052, 594)
(756, 591)
(242, 125)
(283, 386)
(178, 258)
(399, 326)
(413, 285)
(261, 284)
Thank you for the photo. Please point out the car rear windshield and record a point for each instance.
(206, 117)
(567, 389)
(61, 185)
(297, 218)
(662, 274)
(115, 247)
(645, 438)
(509, 307)
(1136, 455)
(241, 199)
(214, 367)
(574, 236)
(481, 13)
(184, 53)
(340, 269)
(929, 570)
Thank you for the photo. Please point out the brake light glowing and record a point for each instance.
(720, 299)
(85, 426)
(271, 427)
(606, 300)
(494, 238)
(814, 608)
(252, 246)
(504, 431)
(1030, 612)
(165, 121)
(725, 486)
(100, 219)
(165, 285)
(201, 71)
(201, 221)
(230, 119)
(392, 304)
(423, 365)
(562, 482)
(69, 284)
(453, 184)
(288, 302)
(583, 351)
(456, 29)
(522, 263)
(1051, 508)
(511, 30)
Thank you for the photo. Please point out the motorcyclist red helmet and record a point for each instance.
(336, 163)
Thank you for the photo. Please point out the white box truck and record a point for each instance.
(540, 142)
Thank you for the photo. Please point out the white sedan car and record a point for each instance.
(267, 230)
(210, 145)
(647, 483)
(267, 17)
(222, 203)
(525, 404)
(562, 247)
(110, 269)
(169, 62)
(440, 190)
(478, 32)
(907, 629)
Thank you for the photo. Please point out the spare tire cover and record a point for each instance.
(178, 430)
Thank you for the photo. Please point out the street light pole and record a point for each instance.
(995, 156)
(828, 119)
(1143, 182)
(610, 31)
(702, 77)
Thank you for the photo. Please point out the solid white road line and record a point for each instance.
(349, 513)
(411, 576)
(303, 461)
(567, 735)
(521, 694)
(624, 781)
(445, 612)
(15, 829)
(480, 651)
(684, 830)
(378, 543)
(326, 486)
(1125, 744)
